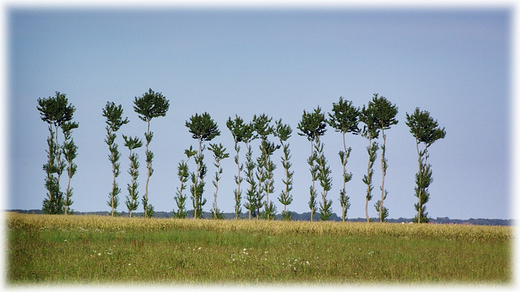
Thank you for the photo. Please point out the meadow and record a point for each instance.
(97, 249)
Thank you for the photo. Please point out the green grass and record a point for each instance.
(93, 249)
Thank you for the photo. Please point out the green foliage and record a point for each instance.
(312, 126)
(55, 110)
(57, 113)
(150, 105)
(183, 173)
(239, 130)
(324, 176)
(425, 130)
(283, 132)
(385, 114)
(345, 119)
(368, 116)
(114, 121)
(251, 194)
(70, 152)
(133, 194)
(203, 128)
(219, 153)
(265, 166)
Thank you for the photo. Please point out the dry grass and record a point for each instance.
(423, 231)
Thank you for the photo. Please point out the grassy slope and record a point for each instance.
(89, 249)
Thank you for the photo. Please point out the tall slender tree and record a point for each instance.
(202, 128)
(55, 111)
(385, 118)
(265, 166)
(70, 151)
(344, 119)
(114, 121)
(426, 131)
(324, 175)
(283, 132)
(312, 126)
(133, 194)
(371, 132)
(238, 129)
(219, 153)
(150, 105)
(183, 173)
(251, 194)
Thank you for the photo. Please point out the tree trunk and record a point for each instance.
(383, 169)
(149, 172)
(344, 163)
(368, 177)
(239, 180)
(419, 160)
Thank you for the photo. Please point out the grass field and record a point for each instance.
(96, 249)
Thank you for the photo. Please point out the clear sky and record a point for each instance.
(454, 63)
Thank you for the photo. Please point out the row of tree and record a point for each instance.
(376, 118)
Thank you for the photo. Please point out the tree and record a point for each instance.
(70, 152)
(133, 195)
(239, 130)
(219, 153)
(370, 131)
(150, 105)
(114, 121)
(385, 114)
(425, 130)
(265, 166)
(183, 173)
(55, 111)
(312, 126)
(202, 128)
(345, 120)
(251, 194)
(324, 175)
(283, 132)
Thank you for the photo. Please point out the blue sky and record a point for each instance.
(454, 63)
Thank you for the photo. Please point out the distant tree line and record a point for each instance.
(371, 122)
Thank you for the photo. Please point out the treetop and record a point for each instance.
(55, 110)
(151, 105)
(202, 127)
(345, 117)
(424, 128)
(312, 124)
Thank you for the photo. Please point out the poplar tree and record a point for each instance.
(384, 117)
(265, 166)
(133, 194)
(55, 111)
(202, 128)
(238, 129)
(70, 152)
(345, 120)
(150, 105)
(324, 175)
(283, 132)
(370, 131)
(251, 194)
(426, 131)
(183, 173)
(114, 121)
(219, 153)
(312, 126)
